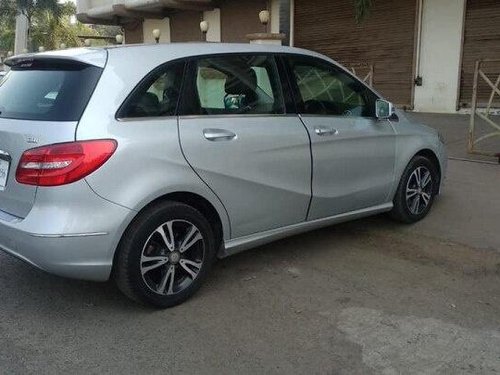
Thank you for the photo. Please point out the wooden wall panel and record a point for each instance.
(386, 39)
(481, 41)
(185, 26)
(134, 32)
(239, 18)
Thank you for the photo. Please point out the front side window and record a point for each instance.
(236, 85)
(157, 96)
(326, 90)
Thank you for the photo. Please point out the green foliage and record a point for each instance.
(7, 26)
(50, 29)
(362, 9)
(50, 24)
(30, 7)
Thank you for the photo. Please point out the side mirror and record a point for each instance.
(384, 110)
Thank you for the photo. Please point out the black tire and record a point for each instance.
(175, 218)
(404, 209)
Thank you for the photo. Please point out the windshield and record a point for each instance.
(47, 91)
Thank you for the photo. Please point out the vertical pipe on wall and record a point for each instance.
(420, 17)
(459, 78)
(417, 50)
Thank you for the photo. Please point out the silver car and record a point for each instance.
(145, 163)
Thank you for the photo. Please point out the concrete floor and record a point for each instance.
(367, 297)
(455, 129)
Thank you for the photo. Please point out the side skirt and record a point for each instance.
(238, 245)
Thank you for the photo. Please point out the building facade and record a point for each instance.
(421, 53)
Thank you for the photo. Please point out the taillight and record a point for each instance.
(63, 163)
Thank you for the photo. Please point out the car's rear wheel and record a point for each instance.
(165, 255)
(417, 189)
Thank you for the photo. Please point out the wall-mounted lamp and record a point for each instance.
(204, 26)
(264, 17)
(157, 35)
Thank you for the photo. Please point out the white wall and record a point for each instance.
(442, 27)
(163, 25)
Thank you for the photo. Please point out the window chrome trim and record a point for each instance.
(144, 119)
(305, 115)
(242, 115)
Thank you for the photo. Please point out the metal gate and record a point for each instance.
(485, 114)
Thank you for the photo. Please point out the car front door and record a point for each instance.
(237, 136)
(353, 153)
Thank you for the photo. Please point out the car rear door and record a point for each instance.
(41, 102)
(237, 136)
(353, 153)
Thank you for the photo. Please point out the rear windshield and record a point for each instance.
(47, 91)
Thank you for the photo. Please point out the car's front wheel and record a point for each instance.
(165, 255)
(417, 189)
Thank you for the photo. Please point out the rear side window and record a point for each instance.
(235, 84)
(157, 95)
(47, 91)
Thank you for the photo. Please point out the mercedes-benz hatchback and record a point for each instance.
(145, 163)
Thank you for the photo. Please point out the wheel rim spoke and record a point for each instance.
(411, 193)
(191, 238)
(167, 282)
(192, 268)
(415, 204)
(418, 176)
(426, 179)
(426, 197)
(155, 262)
(168, 238)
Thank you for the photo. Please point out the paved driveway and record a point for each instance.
(364, 297)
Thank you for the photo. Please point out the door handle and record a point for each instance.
(215, 135)
(325, 130)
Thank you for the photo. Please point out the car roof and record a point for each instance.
(197, 48)
(98, 56)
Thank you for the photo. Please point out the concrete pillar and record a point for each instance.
(440, 55)
(21, 40)
(214, 30)
(275, 16)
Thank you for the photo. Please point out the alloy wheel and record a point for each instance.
(419, 190)
(172, 257)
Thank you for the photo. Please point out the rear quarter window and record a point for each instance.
(47, 91)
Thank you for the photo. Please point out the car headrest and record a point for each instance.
(149, 103)
(244, 83)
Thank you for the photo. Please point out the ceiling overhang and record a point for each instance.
(135, 10)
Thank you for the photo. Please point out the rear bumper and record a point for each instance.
(74, 257)
(71, 238)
